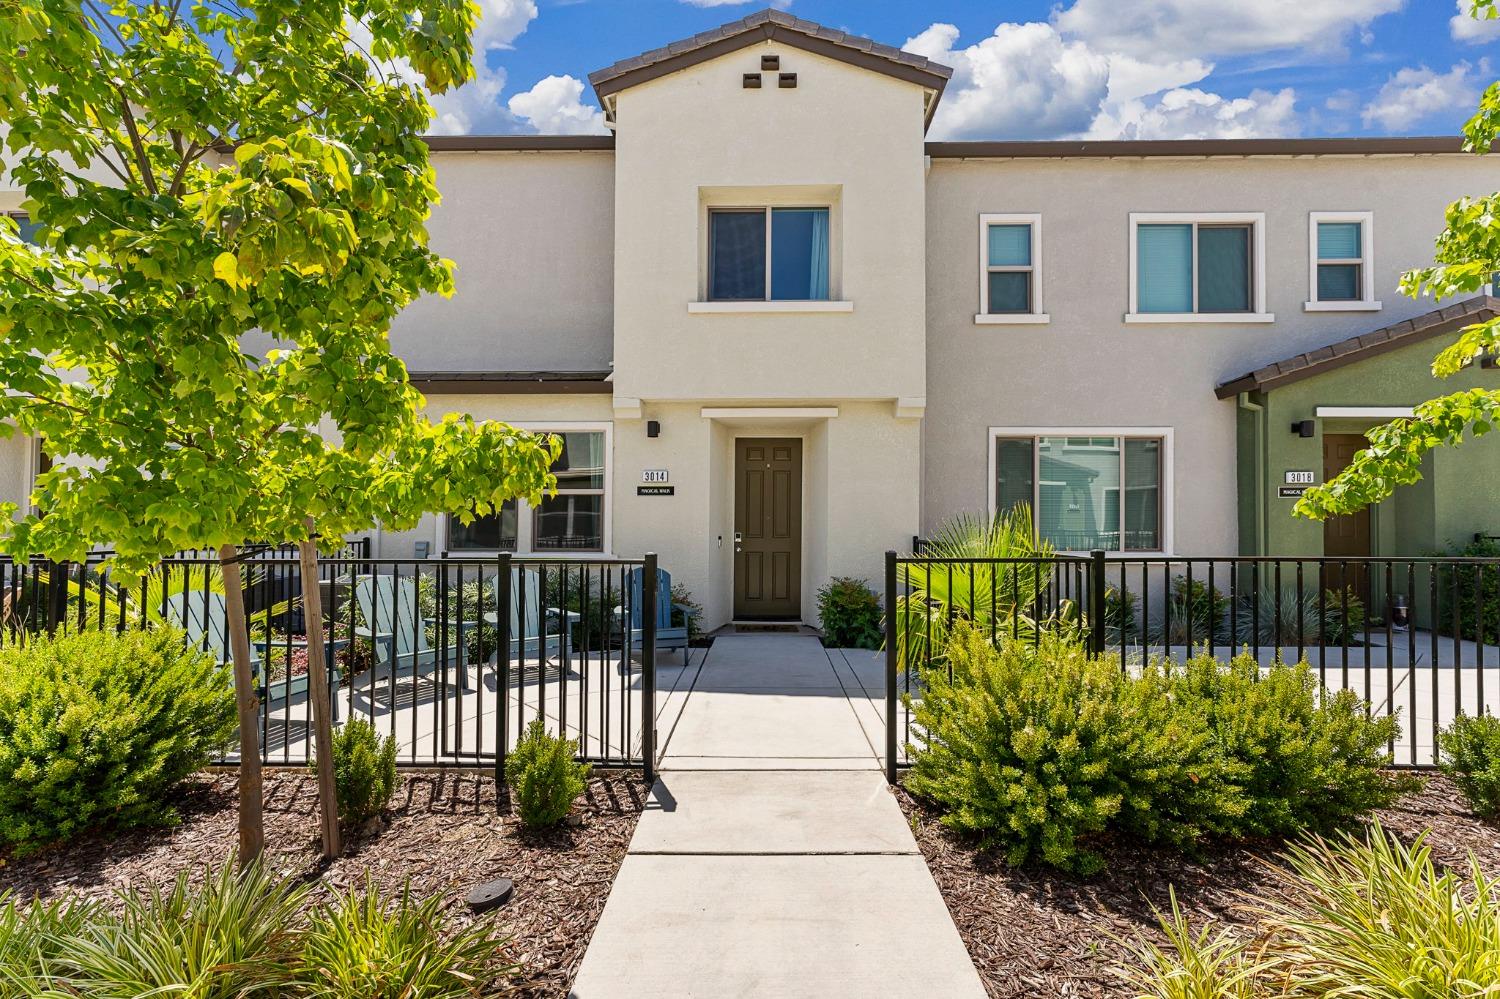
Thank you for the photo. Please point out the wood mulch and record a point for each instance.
(1034, 932)
(445, 834)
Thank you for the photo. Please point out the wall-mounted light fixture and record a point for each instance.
(1305, 428)
(653, 428)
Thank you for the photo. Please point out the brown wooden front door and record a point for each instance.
(1347, 535)
(767, 528)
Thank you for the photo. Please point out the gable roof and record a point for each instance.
(778, 26)
(1357, 348)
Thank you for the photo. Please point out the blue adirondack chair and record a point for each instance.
(528, 644)
(204, 619)
(389, 608)
(667, 636)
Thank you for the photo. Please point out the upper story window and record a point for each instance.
(768, 254)
(1009, 269)
(1341, 247)
(571, 521)
(28, 228)
(1197, 268)
(1087, 489)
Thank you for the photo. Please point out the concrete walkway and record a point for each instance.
(772, 859)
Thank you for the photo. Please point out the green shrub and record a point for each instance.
(543, 776)
(1470, 749)
(1471, 594)
(1359, 916)
(1036, 750)
(97, 727)
(686, 612)
(1308, 620)
(1300, 759)
(1196, 612)
(33, 942)
(364, 770)
(233, 935)
(1120, 615)
(850, 614)
(240, 934)
(1040, 750)
(360, 947)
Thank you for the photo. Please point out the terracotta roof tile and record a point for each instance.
(1448, 319)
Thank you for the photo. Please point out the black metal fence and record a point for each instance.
(1412, 637)
(453, 657)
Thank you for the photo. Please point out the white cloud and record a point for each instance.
(1190, 113)
(1417, 93)
(1469, 29)
(1130, 78)
(553, 107)
(475, 106)
(1169, 29)
(1024, 81)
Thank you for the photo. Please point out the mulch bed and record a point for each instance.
(1034, 932)
(445, 834)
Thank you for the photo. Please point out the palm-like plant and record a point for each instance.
(992, 575)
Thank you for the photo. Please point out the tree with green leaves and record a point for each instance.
(1467, 257)
(232, 201)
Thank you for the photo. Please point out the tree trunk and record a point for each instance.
(317, 692)
(247, 705)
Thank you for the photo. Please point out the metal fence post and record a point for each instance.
(649, 597)
(1098, 632)
(502, 668)
(890, 667)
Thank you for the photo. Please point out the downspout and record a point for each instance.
(1260, 469)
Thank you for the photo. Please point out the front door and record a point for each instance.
(1346, 535)
(767, 529)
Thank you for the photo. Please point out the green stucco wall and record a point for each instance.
(1458, 496)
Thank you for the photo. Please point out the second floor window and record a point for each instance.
(1186, 267)
(768, 254)
(1342, 261)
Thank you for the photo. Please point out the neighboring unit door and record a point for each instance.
(1346, 535)
(767, 529)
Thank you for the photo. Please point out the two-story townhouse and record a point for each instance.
(781, 333)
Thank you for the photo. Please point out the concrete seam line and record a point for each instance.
(661, 750)
(847, 700)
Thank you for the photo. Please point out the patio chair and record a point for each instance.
(527, 642)
(388, 605)
(204, 619)
(668, 636)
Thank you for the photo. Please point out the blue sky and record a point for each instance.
(1039, 69)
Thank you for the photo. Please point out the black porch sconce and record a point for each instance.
(1305, 428)
(653, 428)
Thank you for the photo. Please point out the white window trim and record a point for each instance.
(1167, 490)
(1366, 301)
(1038, 314)
(1257, 223)
(526, 522)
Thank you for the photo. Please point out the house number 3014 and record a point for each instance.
(654, 475)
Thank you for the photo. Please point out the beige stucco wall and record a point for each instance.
(845, 137)
(532, 236)
(1087, 367)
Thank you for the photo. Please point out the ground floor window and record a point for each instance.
(1085, 490)
(571, 521)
